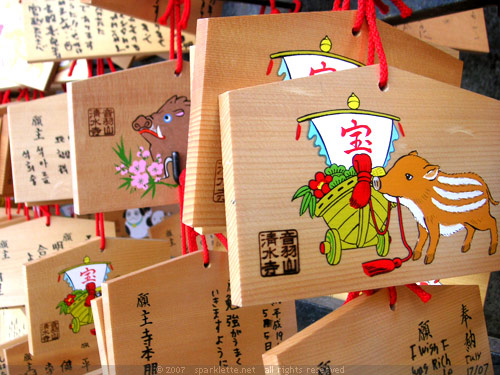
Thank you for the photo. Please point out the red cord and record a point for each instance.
(72, 68)
(19, 206)
(44, 210)
(298, 6)
(384, 9)
(375, 221)
(6, 97)
(178, 68)
(103, 236)
(222, 239)
(186, 12)
(35, 211)
(58, 210)
(274, 10)
(110, 64)
(168, 12)
(90, 66)
(262, 9)
(393, 296)
(26, 212)
(403, 8)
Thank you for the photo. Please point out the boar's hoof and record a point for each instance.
(428, 259)
(417, 255)
(465, 248)
(492, 250)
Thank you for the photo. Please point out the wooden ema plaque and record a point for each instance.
(313, 43)
(39, 144)
(12, 324)
(143, 330)
(31, 240)
(128, 139)
(6, 182)
(19, 361)
(13, 65)
(60, 288)
(98, 314)
(446, 335)
(314, 233)
(152, 10)
(464, 31)
(68, 30)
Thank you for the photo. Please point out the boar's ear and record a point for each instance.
(414, 153)
(431, 172)
(172, 100)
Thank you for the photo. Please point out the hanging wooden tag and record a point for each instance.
(465, 31)
(320, 230)
(446, 335)
(152, 10)
(6, 182)
(98, 314)
(95, 32)
(17, 248)
(60, 288)
(203, 329)
(39, 144)
(13, 65)
(19, 361)
(13, 324)
(326, 44)
(129, 139)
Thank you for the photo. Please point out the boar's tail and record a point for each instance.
(490, 197)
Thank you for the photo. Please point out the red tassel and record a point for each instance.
(362, 191)
(380, 266)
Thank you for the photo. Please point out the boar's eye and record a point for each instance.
(167, 118)
(408, 176)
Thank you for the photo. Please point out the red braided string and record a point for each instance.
(377, 42)
(19, 206)
(222, 239)
(393, 296)
(420, 292)
(101, 228)
(336, 5)
(6, 97)
(35, 212)
(58, 210)
(178, 67)
(90, 66)
(163, 19)
(72, 68)
(403, 8)
(26, 212)
(45, 211)
(262, 9)
(110, 64)
(384, 9)
(186, 12)
(298, 6)
(274, 10)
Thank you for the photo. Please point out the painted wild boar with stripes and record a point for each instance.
(441, 203)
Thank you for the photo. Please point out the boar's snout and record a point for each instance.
(377, 183)
(142, 122)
